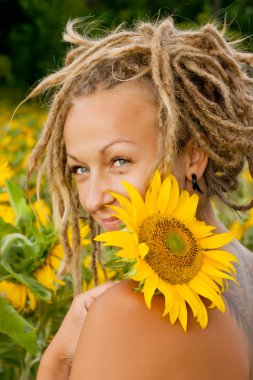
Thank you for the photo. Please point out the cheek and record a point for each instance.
(82, 195)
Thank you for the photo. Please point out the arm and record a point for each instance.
(122, 339)
(56, 362)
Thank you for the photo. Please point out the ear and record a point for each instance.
(195, 160)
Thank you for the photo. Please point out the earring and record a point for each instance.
(195, 184)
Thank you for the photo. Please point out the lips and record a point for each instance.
(111, 223)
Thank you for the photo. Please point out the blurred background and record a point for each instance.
(33, 300)
(31, 30)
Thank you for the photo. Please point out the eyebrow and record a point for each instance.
(105, 147)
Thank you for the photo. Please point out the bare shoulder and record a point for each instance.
(122, 339)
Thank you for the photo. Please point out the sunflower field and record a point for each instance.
(33, 299)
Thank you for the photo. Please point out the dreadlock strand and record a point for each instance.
(95, 248)
(76, 267)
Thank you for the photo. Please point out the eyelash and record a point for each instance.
(73, 169)
(115, 159)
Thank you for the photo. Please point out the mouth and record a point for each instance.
(111, 223)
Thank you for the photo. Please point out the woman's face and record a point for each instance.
(110, 136)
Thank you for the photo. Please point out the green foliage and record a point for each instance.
(34, 42)
(16, 327)
(23, 212)
(24, 248)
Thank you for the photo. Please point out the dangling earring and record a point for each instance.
(195, 184)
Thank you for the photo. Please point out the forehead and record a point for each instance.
(125, 111)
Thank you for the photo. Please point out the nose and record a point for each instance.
(96, 195)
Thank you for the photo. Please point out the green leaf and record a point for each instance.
(16, 327)
(6, 228)
(39, 290)
(23, 213)
(19, 252)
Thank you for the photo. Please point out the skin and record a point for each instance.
(110, 148)
(119, 338)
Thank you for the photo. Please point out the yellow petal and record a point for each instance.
(149, 289)
(124, 217)
(210, 270)
(139, 207)
(187, 209)
(143, 250)
(216, 241)
(117, 238)
(201, 230)
(223, 266)
(171, 300)
(145, 268)
(128, 253)
(174, 310)
(123, 201)
(174, 196)
(206, 279)
(195, 303)
(182, 316)
(189, 296)
(221, 255)
(165, 289)
(203, 289)
(164, 195)
(183, 197)
(152, 193)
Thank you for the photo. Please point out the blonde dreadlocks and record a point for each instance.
(204, 91)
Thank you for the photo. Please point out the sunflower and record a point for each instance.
(174, 254)
(18, 295)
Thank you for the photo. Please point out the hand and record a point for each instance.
(59, 354)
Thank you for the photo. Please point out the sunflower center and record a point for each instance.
(174, 253)
(175, 243)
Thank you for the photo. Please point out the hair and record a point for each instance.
(203, 88)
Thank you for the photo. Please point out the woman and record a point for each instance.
(125, 104)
